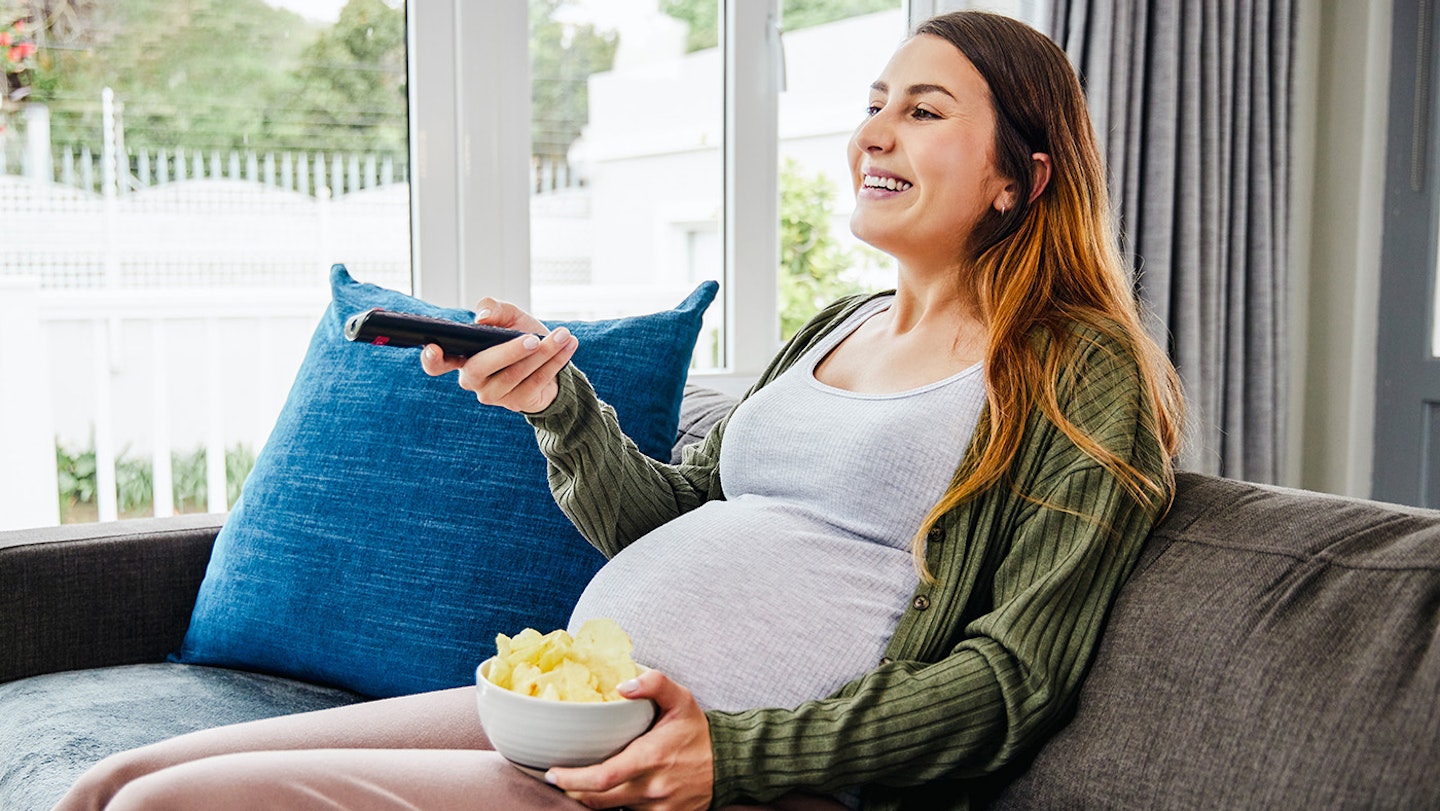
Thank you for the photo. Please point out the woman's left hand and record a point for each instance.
(669, 768)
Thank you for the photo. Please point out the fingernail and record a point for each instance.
(531, 341)
(482, 315)
(430, 353)
(560, 336)
(550, 777)
(628, 686)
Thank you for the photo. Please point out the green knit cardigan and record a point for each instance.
(985, 660)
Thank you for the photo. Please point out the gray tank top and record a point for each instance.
(794, 584)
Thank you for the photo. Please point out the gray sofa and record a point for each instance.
(1274, 649)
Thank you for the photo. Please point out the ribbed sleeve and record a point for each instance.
(612, 492)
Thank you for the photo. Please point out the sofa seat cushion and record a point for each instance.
(54, 727)
(1273, 649)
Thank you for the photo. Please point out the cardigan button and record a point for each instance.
(936, 535)
(885, 660)
(920, 603)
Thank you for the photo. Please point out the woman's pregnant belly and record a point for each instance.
(753, 603)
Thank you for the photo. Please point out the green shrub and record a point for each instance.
(815, 269)
(75, 472)
(135, 482)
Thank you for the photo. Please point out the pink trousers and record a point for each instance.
(424, 752)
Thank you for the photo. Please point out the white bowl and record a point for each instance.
(536, 733)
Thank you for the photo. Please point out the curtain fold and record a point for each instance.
(1191, 102)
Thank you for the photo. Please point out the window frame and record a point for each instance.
(470, 148)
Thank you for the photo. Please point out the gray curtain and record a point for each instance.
(1191, 101)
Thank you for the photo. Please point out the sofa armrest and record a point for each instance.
(90, 595)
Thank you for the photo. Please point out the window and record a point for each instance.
(656, 158)
(246, 192)
(474, 167)
(175, 196)
(832, 54)
(627, 128)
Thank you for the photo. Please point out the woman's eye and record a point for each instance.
(923, 114)
(871, 110)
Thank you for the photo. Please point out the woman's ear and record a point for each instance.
(1039, 179)
(1007, 198)
(1039, 174)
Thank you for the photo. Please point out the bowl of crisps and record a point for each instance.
(551, 700)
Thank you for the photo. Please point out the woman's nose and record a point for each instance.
(875, 133)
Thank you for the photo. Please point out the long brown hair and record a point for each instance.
(1047, 264)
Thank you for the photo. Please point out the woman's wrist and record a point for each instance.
(564, 401)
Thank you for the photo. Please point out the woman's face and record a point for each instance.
(922, 160)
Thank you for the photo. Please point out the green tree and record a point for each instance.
(351, 85)
(815, 269)
(230, 74)
(703, 16)
(225, 74)
(562, 57)
(185, 72)
(799, 14)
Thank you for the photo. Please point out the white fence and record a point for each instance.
(112, 168)
(211, 233)
(139, 370)
(305, 172)
(170, 306)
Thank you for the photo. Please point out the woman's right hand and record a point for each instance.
(518, 374)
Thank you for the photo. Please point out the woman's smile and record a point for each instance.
(878, 185)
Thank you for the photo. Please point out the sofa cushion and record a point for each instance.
(56, 726)
(392, 526)
(1273, 649)
(699, 411)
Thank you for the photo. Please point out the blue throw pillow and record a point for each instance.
(392, 525)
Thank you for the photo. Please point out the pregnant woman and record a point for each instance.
(883, 575)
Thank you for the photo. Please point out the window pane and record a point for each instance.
(179, 177)
(627, 127)
(832, 54)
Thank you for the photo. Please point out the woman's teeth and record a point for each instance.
(893, 184)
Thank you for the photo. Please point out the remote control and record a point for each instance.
(386, 328)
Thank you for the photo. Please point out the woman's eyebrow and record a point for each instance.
(914, 89)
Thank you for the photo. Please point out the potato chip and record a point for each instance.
(559, 667)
